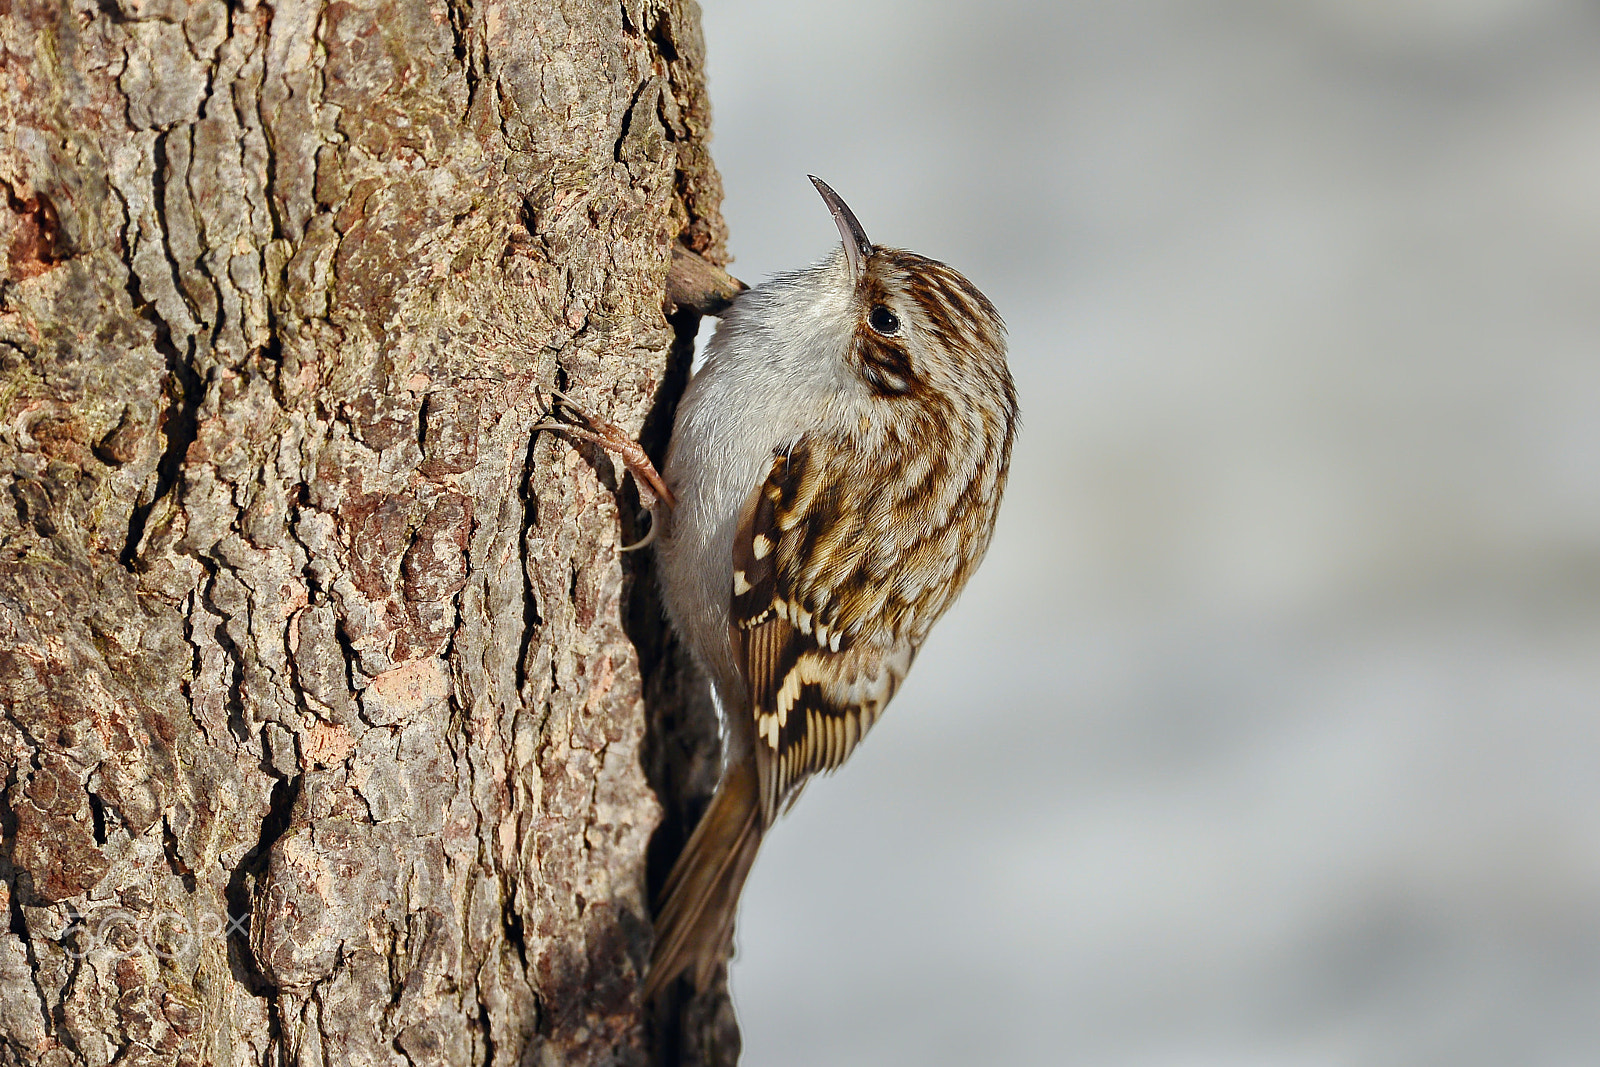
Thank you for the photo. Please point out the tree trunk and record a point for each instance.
(324, 681)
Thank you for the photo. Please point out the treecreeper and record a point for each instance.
(831, 484)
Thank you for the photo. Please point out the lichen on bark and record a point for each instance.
(324, 683)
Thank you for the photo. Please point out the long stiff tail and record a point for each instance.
(695, 922)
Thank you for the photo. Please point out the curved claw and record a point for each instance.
(653, 491)
(648, 539)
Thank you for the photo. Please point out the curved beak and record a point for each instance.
(856, 246)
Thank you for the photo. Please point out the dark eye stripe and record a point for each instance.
(884, 364)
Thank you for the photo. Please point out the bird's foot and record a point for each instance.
(653, 491)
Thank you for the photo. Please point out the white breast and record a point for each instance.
(775, 369)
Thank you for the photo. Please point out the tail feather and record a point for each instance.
(695, 922)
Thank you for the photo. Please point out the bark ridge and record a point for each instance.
(324, 730)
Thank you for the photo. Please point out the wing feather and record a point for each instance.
(814, 688)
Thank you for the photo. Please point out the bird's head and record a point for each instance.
(919, 325)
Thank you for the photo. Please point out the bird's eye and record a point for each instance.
(883, 320)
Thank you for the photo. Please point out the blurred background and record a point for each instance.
(1269, 733)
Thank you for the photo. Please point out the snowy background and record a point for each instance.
(1269, 733)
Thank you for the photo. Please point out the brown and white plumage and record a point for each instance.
(837, 464)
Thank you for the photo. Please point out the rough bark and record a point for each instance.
(323, 678)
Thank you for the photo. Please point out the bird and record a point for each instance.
(832, 481)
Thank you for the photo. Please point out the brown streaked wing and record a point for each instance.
(755, 557)
(802, 726)
(793, 666)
